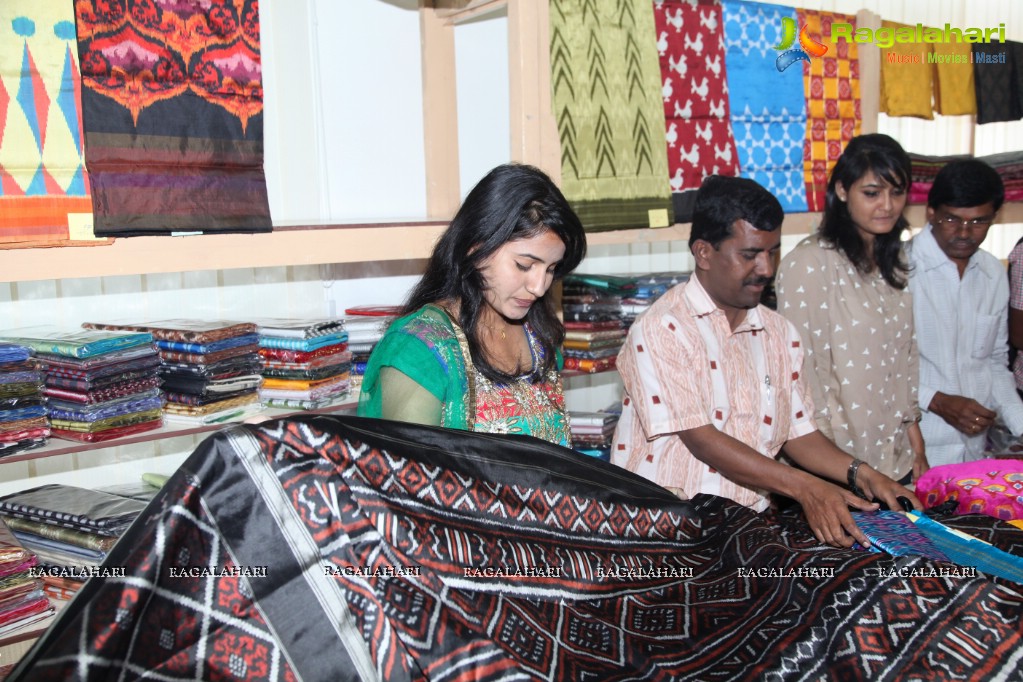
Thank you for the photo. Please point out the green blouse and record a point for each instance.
(430, 349)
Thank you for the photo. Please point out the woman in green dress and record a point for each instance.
(476, 346)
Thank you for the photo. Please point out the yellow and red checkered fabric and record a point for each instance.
(832, 87)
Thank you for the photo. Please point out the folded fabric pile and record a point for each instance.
(924, 169)
(306, 364)
(69, 529)
(23, 423)
(649, 288)
(210, 368)
(100, 385)
(366, 325)
(595, 327)
(593, 346)
(1010, 167)
(599, 309)
(22, 599)
(592, 432)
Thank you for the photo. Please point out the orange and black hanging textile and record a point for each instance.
(172, 100)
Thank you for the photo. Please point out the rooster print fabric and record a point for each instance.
(325, 547)
(172, 100)
(690, 43)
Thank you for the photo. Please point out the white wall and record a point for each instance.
(484, 129)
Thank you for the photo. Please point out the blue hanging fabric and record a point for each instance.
(766, 99)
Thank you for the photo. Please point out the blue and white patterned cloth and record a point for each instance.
(768, 107)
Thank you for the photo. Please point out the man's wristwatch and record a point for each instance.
(850, 475)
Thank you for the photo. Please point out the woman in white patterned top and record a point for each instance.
(845, 290)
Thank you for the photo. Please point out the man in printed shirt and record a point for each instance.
(960, 309)
(712, 382)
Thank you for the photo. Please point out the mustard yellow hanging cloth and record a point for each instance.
(906, 76)
(953, 82)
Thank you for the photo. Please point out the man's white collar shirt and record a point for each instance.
(962, 335)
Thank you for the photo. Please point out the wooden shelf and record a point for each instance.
(58, 446)
(795, 223)
(314, 245)
(574, 373)
(286, 245)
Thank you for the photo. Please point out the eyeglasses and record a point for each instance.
(957, 223)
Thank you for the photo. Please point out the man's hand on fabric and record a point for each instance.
(827, 511)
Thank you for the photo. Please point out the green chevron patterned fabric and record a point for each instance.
(606, 92)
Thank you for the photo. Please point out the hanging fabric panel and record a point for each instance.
(906, 76)
(606, 94)
(997, 81)
(173, 115)
(953, 79)
(768, 108)
(42, 172)
(690, 42)
(831, 84)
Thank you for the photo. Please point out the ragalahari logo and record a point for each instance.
(788, 36)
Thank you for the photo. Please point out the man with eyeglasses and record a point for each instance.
(960, 309)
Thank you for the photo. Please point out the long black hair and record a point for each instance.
(889, 161)
(512, 202)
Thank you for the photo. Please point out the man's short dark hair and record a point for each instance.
(721, 200)
(963, 183)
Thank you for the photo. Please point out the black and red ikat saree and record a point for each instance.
(339, 548)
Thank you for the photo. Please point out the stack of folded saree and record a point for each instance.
(210, 369)
(594, 298)
(649, 288)
(22, 599)
(1010, 167)
(924, 169)
(366, 326)
(23, 423)
(595, 327)
(69, 529)
(592, 432)
(599, 309)
(70, 553)
(306, 364)
(592, 346)
(99, 385)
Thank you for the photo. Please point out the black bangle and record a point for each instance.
(854, 468)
